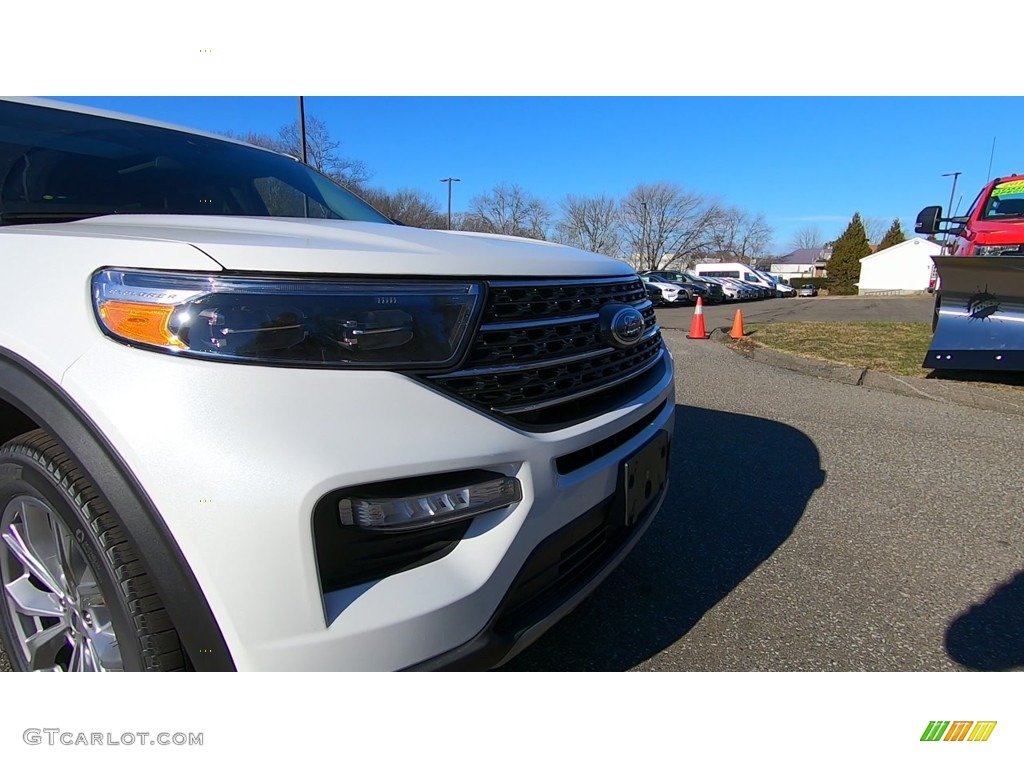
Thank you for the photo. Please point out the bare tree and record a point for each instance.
(508, 209)
(322, 150)
(468, 222)
(808, 236)
(875, 228)
(664, 225)
(739, 236)
(590, 223)
(408, 206)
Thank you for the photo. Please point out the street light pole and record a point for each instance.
(952, 192)
(449, 181)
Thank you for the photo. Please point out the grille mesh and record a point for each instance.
(540, 346)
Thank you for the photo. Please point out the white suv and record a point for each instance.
(249, 423)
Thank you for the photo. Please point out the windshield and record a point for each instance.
(1005, 201)
(57, 165)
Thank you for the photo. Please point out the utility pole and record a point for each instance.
(449, 181)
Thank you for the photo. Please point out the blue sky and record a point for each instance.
(797, 160)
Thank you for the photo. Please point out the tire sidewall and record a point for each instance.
(34, 480)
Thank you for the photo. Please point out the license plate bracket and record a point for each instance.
(642, 477)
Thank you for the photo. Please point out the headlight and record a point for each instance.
(284, 320)
(1013, 249)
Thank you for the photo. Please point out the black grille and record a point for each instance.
(539, 348)
(542, 300)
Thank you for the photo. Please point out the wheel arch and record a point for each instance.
(29, 397)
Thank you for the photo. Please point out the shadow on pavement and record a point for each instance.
(739, 484)
(990, 636)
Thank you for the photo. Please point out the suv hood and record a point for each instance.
(347, 247)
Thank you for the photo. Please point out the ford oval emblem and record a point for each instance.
(621, 326)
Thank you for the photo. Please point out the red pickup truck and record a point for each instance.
(979, 295)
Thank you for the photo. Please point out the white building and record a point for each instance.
(803, 262)
(906, 267)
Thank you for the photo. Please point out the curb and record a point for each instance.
(943, 391)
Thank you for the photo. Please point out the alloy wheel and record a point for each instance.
(61, 619)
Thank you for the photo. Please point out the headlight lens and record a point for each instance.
(1013, 249)
(319, 323)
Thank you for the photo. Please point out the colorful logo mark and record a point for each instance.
(958, 730)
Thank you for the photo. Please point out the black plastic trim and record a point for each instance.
(49, 406)
(974, 360)
(510, 629)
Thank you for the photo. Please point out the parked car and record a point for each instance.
(785, 290)
(714, 294)
(249, 423)
(709, 291)
(807, 289)
(760, 291)
(739, 271)
(670, 294)
(729, 291)
(747, 292)
(781, 289)
(655, 294)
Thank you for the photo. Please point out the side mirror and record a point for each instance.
(928, 220)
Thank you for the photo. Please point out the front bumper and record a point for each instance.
(236, 457)
(563, 570)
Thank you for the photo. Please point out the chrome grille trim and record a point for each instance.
(539, 323)
(639, 305)
(539, 359)
(577, 395)
(554, 283)
(513, 367)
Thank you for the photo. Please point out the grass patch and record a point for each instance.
(897, 348)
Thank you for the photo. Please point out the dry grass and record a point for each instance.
(897, 348)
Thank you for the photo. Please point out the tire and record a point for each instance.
(74, 594)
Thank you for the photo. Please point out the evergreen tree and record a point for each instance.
(893, 237)
(847, 251)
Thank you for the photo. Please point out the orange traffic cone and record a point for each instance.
(697, 326)
(737, 325)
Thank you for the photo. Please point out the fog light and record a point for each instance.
(418, 511)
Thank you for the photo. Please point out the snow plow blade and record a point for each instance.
(980, 314)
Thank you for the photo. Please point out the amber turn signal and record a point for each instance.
(145, 323)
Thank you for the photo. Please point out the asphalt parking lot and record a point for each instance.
(814, 526)
(893, 309)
